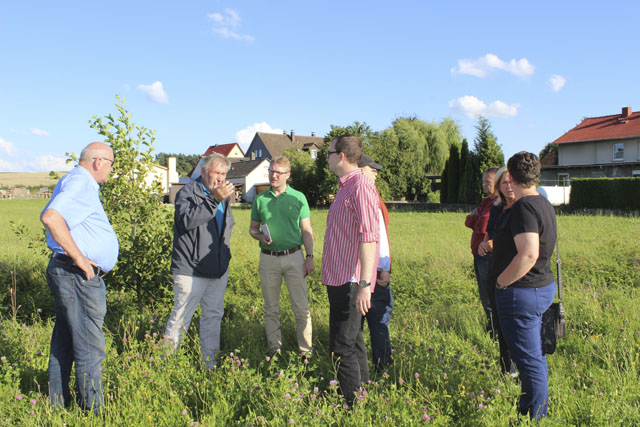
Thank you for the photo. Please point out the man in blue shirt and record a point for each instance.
(84, 247)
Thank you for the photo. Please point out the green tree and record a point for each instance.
(444, 185)
(488, 154)
(184, 162)
(303, 174)
(463, 185)
(453, 175)
(550, 148)
(143, 224)
(410, 149)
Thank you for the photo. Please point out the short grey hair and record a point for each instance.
(215, 158)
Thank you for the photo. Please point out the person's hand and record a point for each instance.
(383, 278)
(308, 266)
(222, 191)
(264, 239)
(363, 300)
(485, 247)
(86, 265)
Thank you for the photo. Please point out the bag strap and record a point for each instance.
(559, 272)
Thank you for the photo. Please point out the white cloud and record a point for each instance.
(155, 92)
(557, 82)
(40, 132)
(49, 162)
(8, 147)
(483, 65)
(245, 136)
(473, 107)
(8, 166)
(224, 25)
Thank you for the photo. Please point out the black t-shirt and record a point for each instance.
(530, 214)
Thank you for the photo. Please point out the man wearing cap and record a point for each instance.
(379, 314)
(84, 247)
(280, 221)
(349, 262)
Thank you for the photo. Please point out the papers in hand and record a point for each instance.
(265, 231)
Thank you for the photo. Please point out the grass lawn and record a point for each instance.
(445, 369)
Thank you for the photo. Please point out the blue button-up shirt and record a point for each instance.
(76, 197)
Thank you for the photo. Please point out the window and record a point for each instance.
(259, 155)
(314, 154)
(635, 173)
(563, 180)
(618, 152)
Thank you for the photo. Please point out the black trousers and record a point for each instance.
(345, 340)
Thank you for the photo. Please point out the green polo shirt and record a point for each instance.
(282, 215)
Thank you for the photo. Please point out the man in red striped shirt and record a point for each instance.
(349, 262)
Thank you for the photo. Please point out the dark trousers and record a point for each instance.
(345, 340)
(481, 265)
(378, 320)
(496, 330)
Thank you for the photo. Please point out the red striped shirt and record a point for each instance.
(352, 219)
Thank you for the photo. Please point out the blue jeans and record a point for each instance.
(481, 265)
(77, 335)
(520, 311)
(345, 339)
(378, 320)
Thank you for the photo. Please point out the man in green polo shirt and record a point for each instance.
(285, 213)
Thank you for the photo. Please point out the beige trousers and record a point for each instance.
(272, 270)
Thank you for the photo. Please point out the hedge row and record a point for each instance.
(605, 193)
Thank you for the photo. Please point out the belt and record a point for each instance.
(97, 271)
(281, 253)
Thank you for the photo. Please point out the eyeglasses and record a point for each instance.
(277, 173)
(104, 158)
(329, 153)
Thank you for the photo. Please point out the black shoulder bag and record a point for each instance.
(553, 321)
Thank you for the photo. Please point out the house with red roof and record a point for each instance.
(232, 151)
(607, 146)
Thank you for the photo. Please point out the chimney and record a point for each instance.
(172, 174)
(313, 134)
(626, 112)
(293, 136)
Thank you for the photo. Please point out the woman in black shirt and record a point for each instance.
(498, 218)
(525, 285)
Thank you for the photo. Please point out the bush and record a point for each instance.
(605, 193)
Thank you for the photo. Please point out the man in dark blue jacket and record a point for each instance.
(201, 254)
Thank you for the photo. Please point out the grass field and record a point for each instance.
(27, 179)
(445, 368)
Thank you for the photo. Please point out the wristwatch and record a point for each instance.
(309, 256)
(364, 284)
(500, 286)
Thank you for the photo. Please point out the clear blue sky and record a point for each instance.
(211, 72)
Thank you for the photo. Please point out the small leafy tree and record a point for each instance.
(142, 223)
(550, 148)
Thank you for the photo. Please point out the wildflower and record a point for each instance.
(333, 383)
(31, 414)
(268, 358)
(34, 402)
(316, 389)
(318, 412)
(445, 374)
(291, 421)
(184, 412)
(574, 391)
(426, 417)
(400, 381)
(3, 358)
(19, 397)
(416, 375)
(287, 396)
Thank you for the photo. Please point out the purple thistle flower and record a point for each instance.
(34, 402)
(19, 397)
(426, 417)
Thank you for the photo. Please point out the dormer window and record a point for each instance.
(618, 152)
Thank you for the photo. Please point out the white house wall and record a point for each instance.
(589, 153)
(259, 175)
